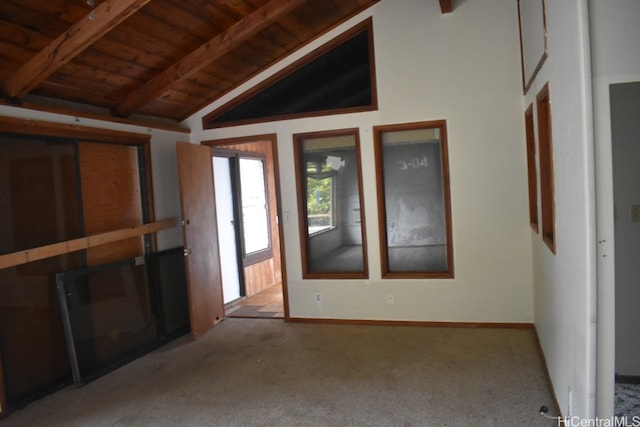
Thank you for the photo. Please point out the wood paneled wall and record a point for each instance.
(260, 276)
(34, 355)
(110, 197)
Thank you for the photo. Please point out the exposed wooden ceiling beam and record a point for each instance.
(68, 45)
(206, 54)
(40, 104)
(446, 6)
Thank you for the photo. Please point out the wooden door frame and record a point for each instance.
(234, 157)
(272, 139)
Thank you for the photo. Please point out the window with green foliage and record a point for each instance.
(332, 231)
(320, 196)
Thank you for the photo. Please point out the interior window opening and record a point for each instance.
(330, 199)
(545, 147)
(415, 208)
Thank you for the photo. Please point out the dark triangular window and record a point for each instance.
(338, 77)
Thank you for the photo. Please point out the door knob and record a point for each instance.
(186, 251)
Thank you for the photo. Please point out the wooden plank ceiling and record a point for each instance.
(163, 59)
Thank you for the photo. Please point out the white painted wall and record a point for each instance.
(463, 67)
(615, 37)
(564, 283)
(163, 164)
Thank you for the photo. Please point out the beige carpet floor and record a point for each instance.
(265, 372)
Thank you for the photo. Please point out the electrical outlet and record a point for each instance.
(635, 213)
(317, 297)
(389, 299)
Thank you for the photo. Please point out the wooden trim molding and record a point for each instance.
(446, 6)
(301, 189)
(545, 159)
(60, 248)
(52, 129)
(387, 272)
(532, 170)
(530, 35)
(30, 103)
(628, 379)
(430, 324)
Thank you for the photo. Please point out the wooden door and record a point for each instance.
(204, 282)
